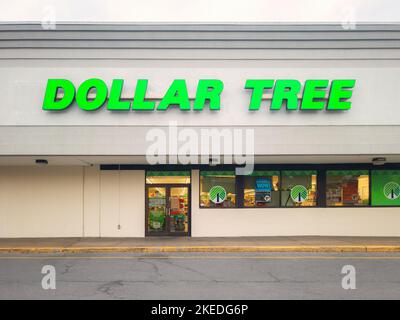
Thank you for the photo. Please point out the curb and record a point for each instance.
(199, 249)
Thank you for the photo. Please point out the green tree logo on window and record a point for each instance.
(217, 194)
(391, 190)
(299, 193)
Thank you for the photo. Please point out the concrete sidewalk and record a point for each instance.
(186, 244)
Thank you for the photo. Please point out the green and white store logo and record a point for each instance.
(217, 194)
(391, 190)
(299, 193)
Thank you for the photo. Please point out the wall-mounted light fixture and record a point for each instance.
(379, 161)
(41, 162)
(214, 161)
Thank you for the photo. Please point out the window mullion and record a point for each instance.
(239, 191)
(321, 188)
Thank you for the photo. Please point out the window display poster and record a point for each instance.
(263, 190)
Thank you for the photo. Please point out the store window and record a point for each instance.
(385, 187)
(217, 189)
(347, 188)
(299, 188)
(168, 177)
(261, 189)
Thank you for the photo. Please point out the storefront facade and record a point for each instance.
(326, 159)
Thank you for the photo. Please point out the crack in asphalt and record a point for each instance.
(67, 269)
(189, 269)
(274, 277)
(109, 286)
(156, 269)
(167, 261)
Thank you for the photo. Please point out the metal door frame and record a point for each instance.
(168, 187)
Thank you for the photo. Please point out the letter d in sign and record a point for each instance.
(51, 101)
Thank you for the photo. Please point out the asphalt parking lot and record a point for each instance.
(200, 276)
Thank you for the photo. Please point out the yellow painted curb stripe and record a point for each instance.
(159, 249)
(200, 257)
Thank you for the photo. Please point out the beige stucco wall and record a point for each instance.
(291, 221)
(74, 201)
(91, 201)
(41, 202)
(122, 203)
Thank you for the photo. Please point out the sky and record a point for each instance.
(201, 11)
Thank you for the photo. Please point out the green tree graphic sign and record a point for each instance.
(385, 187)
(391, 190)
(299, 193)
(217, 194)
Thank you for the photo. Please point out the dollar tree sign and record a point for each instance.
(299, 193)
(217, 194)
(391, 190)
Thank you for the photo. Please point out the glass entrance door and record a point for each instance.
(167, 210)
(157, 209)
(178, 209)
